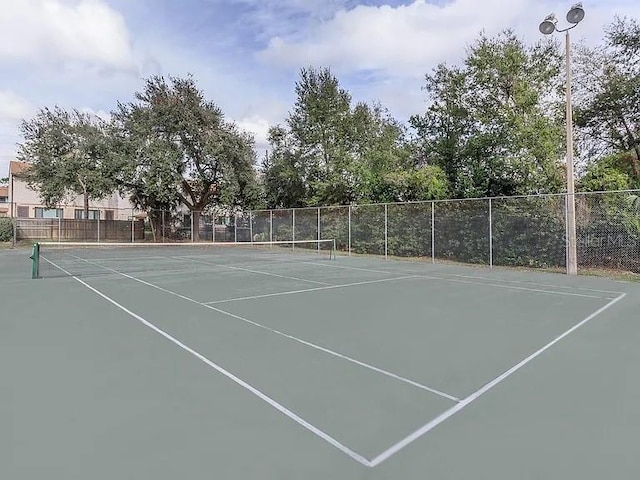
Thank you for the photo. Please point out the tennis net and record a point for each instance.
(60, 259)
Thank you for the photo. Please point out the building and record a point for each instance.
(23, 202)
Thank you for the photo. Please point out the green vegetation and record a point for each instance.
(6, 229)
(493, 126)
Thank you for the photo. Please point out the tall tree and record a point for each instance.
(492, 124)
(330, 152)
(284, 178)
(608, 95)
(185, 150)
(69, 156)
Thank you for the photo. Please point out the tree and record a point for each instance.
(604, 175)
(69, 156)
(608, 92)
(284, 179)
(332, 153)
(181, 149)
(492, 123)
(4, 180)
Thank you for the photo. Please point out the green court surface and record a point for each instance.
(176, 362)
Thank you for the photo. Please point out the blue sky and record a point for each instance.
(246, 54)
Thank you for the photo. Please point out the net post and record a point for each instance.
(349, 227)
(133, 228)
(433, 232)
(335, 250)
(318, 232)
(293, 228)
(192, 232)
(213, 227)
(163, 226)
(35, 261)
(99, 225)
(386, 232)
(490, 234)
(59, 229)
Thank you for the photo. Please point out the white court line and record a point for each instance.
(481, 391)
(304, 290)
(286, 335)
(281, 408)
(127, 259)
(566, 287)
(496, 285)
(254, 271)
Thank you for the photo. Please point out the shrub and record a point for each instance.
(6, 229)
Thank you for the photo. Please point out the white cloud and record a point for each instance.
(395, 46)
(61, 32)
(13, 108)
(400, 39)
(409, 40)
(259, 127)
(101, 114)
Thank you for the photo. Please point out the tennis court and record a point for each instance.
(287, 361)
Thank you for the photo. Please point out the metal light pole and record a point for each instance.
(547, 27)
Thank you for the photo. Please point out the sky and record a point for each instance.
(246, 54)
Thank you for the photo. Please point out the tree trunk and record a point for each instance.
(635, 167)
(195, 225)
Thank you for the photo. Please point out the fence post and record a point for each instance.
(433, 232)
(319, 236)
(566, 232)
(14, 221)
(163, 226)
(235, 228)
(293, 230)
(490, 234)
(99, 225)
(386, 232)
(59, 229)
(349, 246)
(271, 225)
(251, 226)
(133, 227)
(191, 221)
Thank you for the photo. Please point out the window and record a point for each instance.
(108, 214)
(4, 199)
(23, 212)
(47, 212)
(93, 214)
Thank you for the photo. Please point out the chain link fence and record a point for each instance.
(528, 231)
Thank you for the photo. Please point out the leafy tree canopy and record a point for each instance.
(176, 146)
(492, 123)
(69, 156)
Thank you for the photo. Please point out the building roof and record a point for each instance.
(17, 168)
